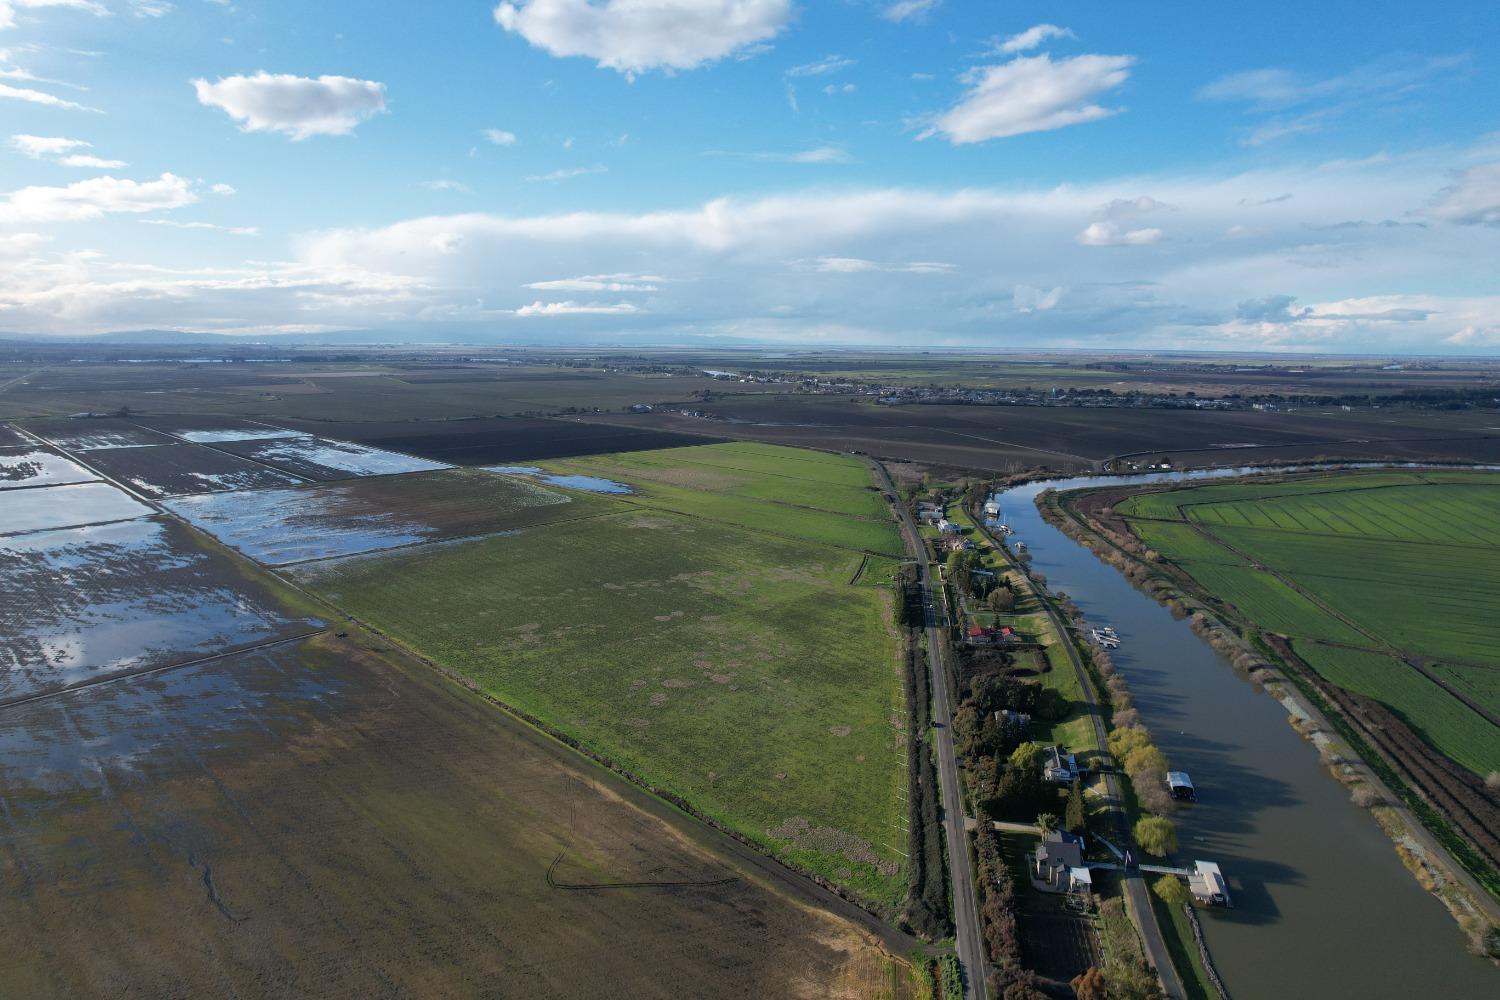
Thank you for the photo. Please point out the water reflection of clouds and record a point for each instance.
(89, 602)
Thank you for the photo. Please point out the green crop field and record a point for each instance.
(733, 666)
(1401, 565)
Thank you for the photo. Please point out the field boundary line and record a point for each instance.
(158, 669)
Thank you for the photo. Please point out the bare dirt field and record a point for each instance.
(497, 441)
(100, 432)
(315, 820)
(1007, 438)
(179, 469)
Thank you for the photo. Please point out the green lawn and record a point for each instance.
(1401, 564)
(736, 668)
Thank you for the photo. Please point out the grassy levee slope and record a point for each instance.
(735, 667)
(1368, 572)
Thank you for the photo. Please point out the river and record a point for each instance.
(1323, 906)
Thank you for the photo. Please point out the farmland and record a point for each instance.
(174, 469)
(321, 521)
(206, 791)
(1388, 583)
(84, 603)
(319, 819)
(38, 467)
(714, 657)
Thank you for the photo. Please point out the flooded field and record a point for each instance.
(211, 430)
(65, 507)
(366, 515)
(38, 467)
(85, 603)
(178, 469)
(588, 484)
(94, 433)
(323, 459)
(316, 820)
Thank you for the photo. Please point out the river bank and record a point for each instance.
(1314, 881)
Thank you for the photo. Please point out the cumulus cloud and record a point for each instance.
(499, 137)
(830, 266)
(1473, 201)
(600, 283)
(294, 105)
(1031, 94)
(909, 10)
(577, 309)
(1031, 38)
(634, 37)
(1109, 234)
(92, 199)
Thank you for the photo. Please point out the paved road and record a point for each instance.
(969, 938)
(1136, 891)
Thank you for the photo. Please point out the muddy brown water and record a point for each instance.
(1323, 906)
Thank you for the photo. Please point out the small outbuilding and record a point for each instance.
(1181, 786)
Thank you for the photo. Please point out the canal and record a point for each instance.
(1323, 906)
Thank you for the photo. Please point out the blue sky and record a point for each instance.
(1278, 176)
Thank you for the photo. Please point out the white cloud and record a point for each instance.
(1031, 94)
(150, 8)
(63, 151)
(859, 265)
(1031, 38)
(1473, 201)
(1129, 208)
(1026, 298)
(1108, 234)
(444, 184)
(835, 88)
(294, 105)
(577, 309)
(8, 8)
(633, 36)
(754, 268)
(206, 226)
(600, 283)
(222, 189)
(565, 173)
(40, 147)
(91, 162)
(500, 137)
(33, 96)
(823, 67)
(94, 198)
(909, 10)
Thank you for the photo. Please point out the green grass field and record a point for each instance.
(765, 487)
(1399, 565)
(735, 667)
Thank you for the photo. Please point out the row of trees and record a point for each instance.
(997, 908)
